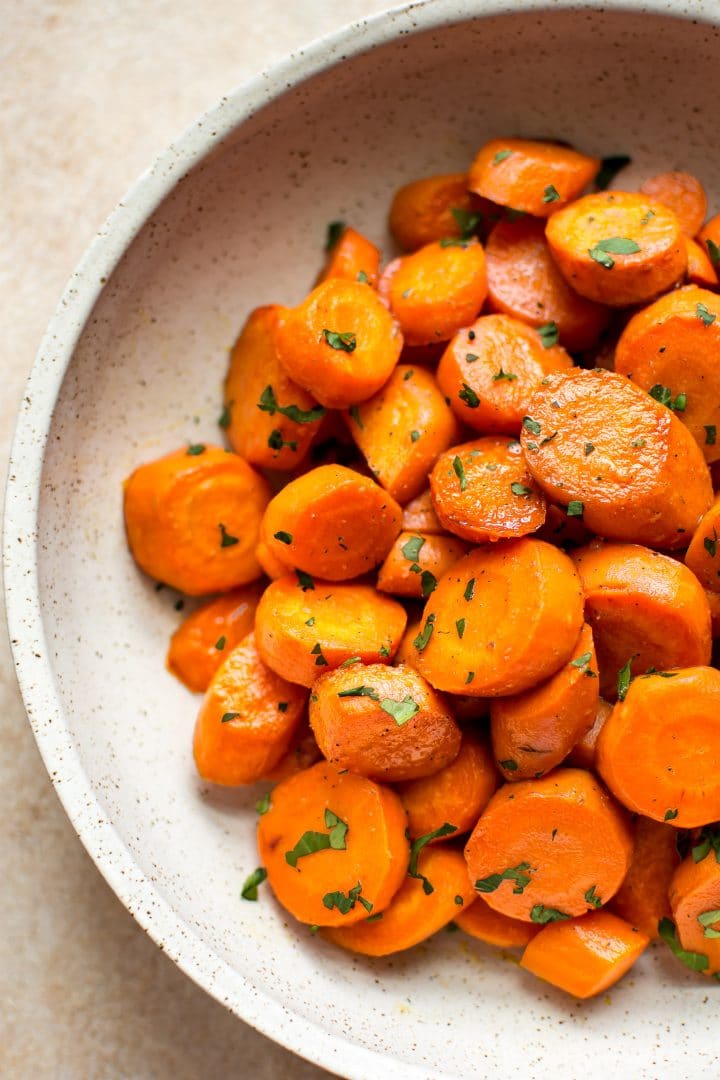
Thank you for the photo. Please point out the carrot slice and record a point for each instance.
(695, 903)
(415, 563)
(193, 519)
(247, 719)
(435, 290)
(646, 610)
(500, 620)
(271, 421)
(402, 429)
(533, 732)
(582, 755)
(523, 281)
(700, 270)
(658, 750)
(642, 899)
(413, 914)
(431, 209)
(536, 177)
(617, 247)
(670, 349)
(481, 922)
(352, 257)
(204, 639)
(709, 238)
(612, 455)
(482, 491)
(457, 793)
(551, 848)
(586, 956)
(312, 523)
(333, 845)
(682, 193)
(419, 515)
(386, 723)
(303, 626)
(490, 370)
(341, 343)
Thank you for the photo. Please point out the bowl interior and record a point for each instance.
(246, 227)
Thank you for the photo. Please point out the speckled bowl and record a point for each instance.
(233, 215)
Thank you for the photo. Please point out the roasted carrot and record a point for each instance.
(416, 561)
(533, 732)
(683, 194)
(700, 270)
(458, 792)
(193, 519)
(647, 611)
(536, 177)
(435, 290)
(582, 755)
(500, 620)
(301, 754)
(670, 349)
(269, 419)
(204, 639)
(402, 429)
(341, 343)
(602, 447)
(482, 491)
(352, 257)
(642, 899)
(313, 523)
(431, 209)
(333, 845)
(303, 626)
(247, 719)
(658, 749)
(414, 912)
(695, 904)
(550, 848)
(709, 238)
(617, 247)
(419, 515)
(586, 956)
(490, 370)
(523, 281)
(481, 922)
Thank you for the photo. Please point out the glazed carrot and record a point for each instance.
(536, 177)
(413, 914)
(352, 257)
(204, 639)
(435, 290)
(700, 270)
(586, 956)
(606, 450)
(331, 522)
(271, 565)
(642, 899)
(658, 750)
(415, 563)
(646, 610)
(402, 429)
(247, 719)
(683, 194)
(303, 626)
(490, 370)
(341, 343)
(695, 903)
(523, 281)
(333, 845)
(271, 421)
(422, 211)
(301, 754)
(670, 349)
(533, 732)
(481, 922)
(709, 238)
(193, 519)
(500, 620)
(582, 755)
(419, 515)
(458, 792)
(386, 723)
(550, 848)
(482, 491)
(618, 248)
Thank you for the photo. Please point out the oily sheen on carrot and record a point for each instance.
(535, 177)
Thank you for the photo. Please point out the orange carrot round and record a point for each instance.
(683, 194)
(582, 755)
(536, 177)
(193, 519)
(709, 238)
(415, 563)
(700, 269)
(695, 904)
(333, 845)
(481, 922)
(352, 257)
(642, 899)
(431, 209)
(204, 639)
(272, 566)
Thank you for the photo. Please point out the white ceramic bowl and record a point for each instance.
(233, 215)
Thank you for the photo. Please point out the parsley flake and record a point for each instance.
(589, 447)
(446, 829)
(707, 919)
(343, 342)
(502, 155)
(624, 679)
(470, 589)
(710, 434)
(283, 537)
(575, 508)
(503, 375)
(421, 641)
(531, 425)
(228, 716)
(466, 221)
(250, 888)
(670, 815)
(551, 194)
(195, 448)
(707, 317)
(411, 548)
(713, 251)
(355, 413)
(305, 582)
(518, 874)
(695, 961)
(459, 470)
(614, 245)
(460, 627)
(226, 540)
(543, 915)
(220, 643)
(592, 897)
(312, 841)
(468, 395)
(335, 230)
(549, 335)
(401, 711)
(520, 489)
(414, 436)
(268, 403)
(344, 903)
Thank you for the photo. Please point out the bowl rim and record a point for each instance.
(30, 652)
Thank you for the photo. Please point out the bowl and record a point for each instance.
(231, 216)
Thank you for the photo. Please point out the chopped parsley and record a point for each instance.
(276, 441)
(551, 194)
(446, 829)
(670, 815)
(713, 251)
(468, 395)
(710, 434)
(283, 537)
(501, 155)
(469, 589)
(305, 582)
(603, 251)
(575, 508)
(543, 915)
(460, 627)
(695, 961)
(592, 897)
(411, 548)
(195, 448)
(459, 470)
(355, 413)
(343, 342)
(518, 874)
(531, 425)
(520, 489)
(421, 641)
(228, 716)
(224, 418)
(263, 804)
(344, 903)
(549, 335)
(466, 221)
(503, 375)
(706, 316)
(508, 765)
(663, 394)
(414, 436)
(589, 447)
(250, 888)
(401, 711)
(624, 679)
(268, 403)
(312, 841)
(707, 920)
(220, 643)
(226, 540)
(710, 545)
(428, 583)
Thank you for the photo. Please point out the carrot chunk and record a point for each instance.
(481, 922)
(431, 209)
(683, 194)
(536, 177)
(695, 904)
(643, 898)
(204, 639)
(582, 755)
(415, 563)
(700, 269)
(709, 238)
(352, 257)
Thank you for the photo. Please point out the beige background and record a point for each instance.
(90, 92)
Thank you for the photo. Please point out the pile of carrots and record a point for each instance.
(466, 557)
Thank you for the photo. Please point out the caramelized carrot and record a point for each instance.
(204, 639)
(683, 194)
(434, 208)
(695, 903)
(481, 922)
(700, 270)
(415, 563)
(582, 755)
(536, 177)
(642, 899)
(352, 257)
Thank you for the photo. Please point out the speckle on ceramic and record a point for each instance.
(233, 215)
